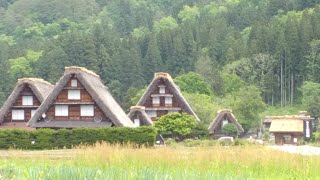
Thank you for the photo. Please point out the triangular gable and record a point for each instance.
(93, 85)
(220, 116)
(139, 111)
(173, 88)
(39, 88)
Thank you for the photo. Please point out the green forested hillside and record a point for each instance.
(239, 47)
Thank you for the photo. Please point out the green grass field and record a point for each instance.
(115, 162)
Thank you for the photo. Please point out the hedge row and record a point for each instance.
(51, 139)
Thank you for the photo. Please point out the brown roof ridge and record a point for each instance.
(32, 79)
(75, 69)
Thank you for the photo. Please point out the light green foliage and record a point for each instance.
(7, 39)
(215, 9)
(204, 106)
(189, 13)
(246, 104)
(176, 124)
(313, 59)
(140, 32)
(166, 23)
(232, 83)
(22, 66)
(311, 99)
(34, 31)
(135, 99)
(256, 70)
(192, 83)
(230, 129)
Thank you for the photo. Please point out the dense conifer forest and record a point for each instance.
(248, 55)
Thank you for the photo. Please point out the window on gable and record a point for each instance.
(32, 112)
(74, 94)
(61, 110)
(156, 100)
(27, 100)
(74, 83)
(168, 100)
(152, 113)
(162, 89)
(18, 114)
(87, 110)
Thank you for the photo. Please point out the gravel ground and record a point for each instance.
(304, 150)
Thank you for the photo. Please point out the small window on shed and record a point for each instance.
(224, 122)
(74, 83)
(136, 122)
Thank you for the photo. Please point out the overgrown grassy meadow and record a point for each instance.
(105, 161)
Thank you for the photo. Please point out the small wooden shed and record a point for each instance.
(290, 129)
(223, 117)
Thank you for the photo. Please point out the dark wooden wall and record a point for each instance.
(279, 138)
(74, 109)
(26, 92)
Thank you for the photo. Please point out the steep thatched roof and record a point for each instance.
(287, 123)
(100, 94)
(219, 118)
(174, 89)
(140, 111)
(39, 87)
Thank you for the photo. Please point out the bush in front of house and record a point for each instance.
(176, 125)
(230, 129)
(67, 138)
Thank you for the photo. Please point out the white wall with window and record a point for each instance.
(33, 111)
(162, 89)
(27, 100)
(61, 110)
(87, 110)
(74, 94)
(74, 83)
(152, 113)
(168, 100)
(156, 100)
(136, 122)
(18, 114)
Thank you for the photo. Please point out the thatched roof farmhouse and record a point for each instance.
(163, 96)
(79, 99)
(24, 100)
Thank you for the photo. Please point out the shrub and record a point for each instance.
(230, 129)
(66, 138)
(176, 124)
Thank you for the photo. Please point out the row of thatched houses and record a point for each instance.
(80, 99)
